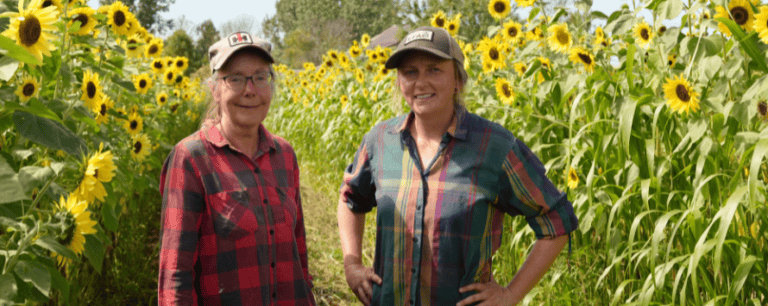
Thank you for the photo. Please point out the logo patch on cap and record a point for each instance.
(240, 39)
(418, 35)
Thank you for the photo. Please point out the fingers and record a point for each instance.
(362, 296)
(373, 277)
(472, 287)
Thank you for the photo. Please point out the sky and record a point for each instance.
(197, 11)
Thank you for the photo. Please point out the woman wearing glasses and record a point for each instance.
(232, 222)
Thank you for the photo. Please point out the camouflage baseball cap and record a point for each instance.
(436, 41)
(219, 52)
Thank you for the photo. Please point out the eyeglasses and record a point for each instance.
(237, 82)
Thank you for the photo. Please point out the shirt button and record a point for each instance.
(415, 239)
(274, 295)
(271, 232)
(257, 170)
(411, 301)
(273, 264)
(413, 270)
(265, 201)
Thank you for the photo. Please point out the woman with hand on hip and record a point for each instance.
(442, 179)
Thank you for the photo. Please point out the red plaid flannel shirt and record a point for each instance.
(232, 226)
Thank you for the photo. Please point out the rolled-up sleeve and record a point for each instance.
(358, 189)
(183, 205)
(525, 189)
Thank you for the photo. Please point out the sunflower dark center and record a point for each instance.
(179, 78)
(451, 27)
(153, 49)
(90, 89)
(440, 22)
(562, 37)
(103, 111)
(522, 69)
(499, 7)
(119, 18)
(644, 34)
(137, 147)
(573, 176)
(173, 107)
(96, 173)
(662, 30)
(507, 91)
(493, 53)
(682, 93)
(604, 43)
(30, 30)
(158, 64)
(585, 58)
(82, 18)
(142, 83)
(46, 4)
(512, 32)
(179, 64)
(740, 15)
(134, 124)
(28, 89)
(169, 76)
(162, 99)
(762, 108)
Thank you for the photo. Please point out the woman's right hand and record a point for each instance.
(360, 279)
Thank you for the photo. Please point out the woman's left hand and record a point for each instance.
(490, 293)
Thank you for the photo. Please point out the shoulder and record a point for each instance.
(385, 128)
(481, 129)
(189, 147)
(282, 145)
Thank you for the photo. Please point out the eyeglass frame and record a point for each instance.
(246, 78)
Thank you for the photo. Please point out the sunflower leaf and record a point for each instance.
(670, 9)
(8, 288)
(35, 273)
(94, 251)
(10, 187)
(747, 42)
(49, 133)
(8, 67)
(49, 243)
(17, 51)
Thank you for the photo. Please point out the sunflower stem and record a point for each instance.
(39, 195)
(11, 263)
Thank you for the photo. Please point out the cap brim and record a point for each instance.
(397, 57)
(260, 51)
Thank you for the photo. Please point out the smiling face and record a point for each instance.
(428, 83)
(245, 109)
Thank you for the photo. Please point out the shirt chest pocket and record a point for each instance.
(232, 215)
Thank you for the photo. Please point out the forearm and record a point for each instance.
(351, 227)
(542, 256)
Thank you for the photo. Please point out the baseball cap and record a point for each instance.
(220, 51)
(436, 41)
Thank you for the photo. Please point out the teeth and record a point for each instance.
(423, 96)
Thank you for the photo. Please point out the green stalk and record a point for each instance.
(10, 264)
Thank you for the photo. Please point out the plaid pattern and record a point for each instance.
(437, 228)
(232, 226)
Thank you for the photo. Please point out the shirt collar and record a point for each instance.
(213, 135)
(457, 129)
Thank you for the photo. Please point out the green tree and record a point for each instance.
(147, 12)
(181, 44)
(208, 36)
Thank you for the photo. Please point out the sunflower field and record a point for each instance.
(657, 133)
(89, 110)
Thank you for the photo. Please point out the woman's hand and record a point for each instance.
(360, 279)
(490, 293)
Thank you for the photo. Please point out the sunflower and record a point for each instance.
(140, 147)
(344, 100)
(580, 55)
(142, 82)
(161, 98)
(492, 54)
(135, 124)
(101, 109)
(672, 59)
(354, 52)
(453, 25)
(32, 28)
(359, 76)
(504, 91)
(438, 20)
(120, 18)
(154, 48)
(520, 67)
(599, 32)
(662, 30)
(525, 3)
(740, 11)
(72, 212)
(761, 24)
(133, 46)
(573, 178)
(383, 72)
(99, 168)
(762, 110)
(174, 107)
(29, 88)
(85, 16)
(545, 63)
(91, 89)
(365, 40)
(498, 8)
(534, 34)
(559, 38)
(512, 30)
(158, 66)
(680, 96)
(310, 66)
(643, 34)
(180, 63)
(169, 77)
